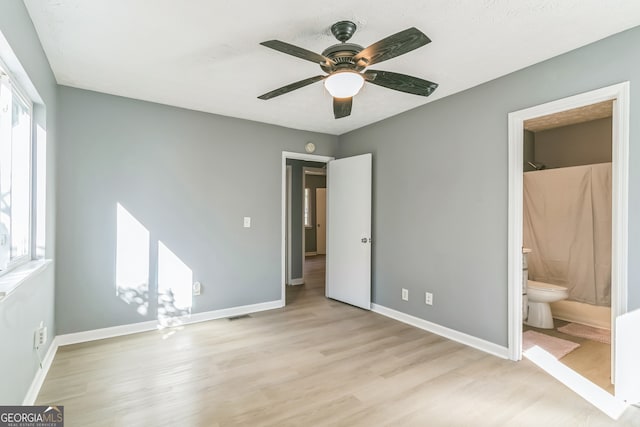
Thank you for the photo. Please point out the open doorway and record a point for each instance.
(303, 266)
(567, 238)
(617, 97)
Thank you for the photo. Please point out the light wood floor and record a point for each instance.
(315, 362)
(592, 359)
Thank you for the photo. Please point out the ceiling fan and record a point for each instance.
(345, 63)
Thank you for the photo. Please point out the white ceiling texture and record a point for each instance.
(205, 55)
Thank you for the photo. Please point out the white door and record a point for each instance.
(349, 231)
(627, 357)
(321, 222)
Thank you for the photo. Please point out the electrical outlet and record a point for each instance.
(428, 298)
(247, 222)
(197, 288)
(40, 336)
(405, 294)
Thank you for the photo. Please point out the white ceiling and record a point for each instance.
(205, 55)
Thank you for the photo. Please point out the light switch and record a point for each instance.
(247, 222)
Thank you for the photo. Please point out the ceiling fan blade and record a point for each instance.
(392, 46)
(293, 86)
(400, 82)
(298, 52)
(342, 107)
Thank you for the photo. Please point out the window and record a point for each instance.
(307, 208)
(15, 174)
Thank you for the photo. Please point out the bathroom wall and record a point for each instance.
(529, 151)
(575, 145)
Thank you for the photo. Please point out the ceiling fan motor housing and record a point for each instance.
(342, 56)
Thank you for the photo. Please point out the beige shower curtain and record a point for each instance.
(567, 224)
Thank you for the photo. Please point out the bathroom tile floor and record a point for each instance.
(592, 359)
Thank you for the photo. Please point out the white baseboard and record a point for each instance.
(296, 282)
(115, 331)
(98, 334)
(310, 253)
(452, 334)
(41, 374)
(233, 311)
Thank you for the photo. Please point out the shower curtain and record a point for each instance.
(567, 224)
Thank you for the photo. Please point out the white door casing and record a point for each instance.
(283, 225)
(348, 275)
(627, 354)
(619, 93)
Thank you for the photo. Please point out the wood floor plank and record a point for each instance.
(315, 362)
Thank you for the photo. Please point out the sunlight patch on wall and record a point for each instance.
(132, 261)
(174, 287)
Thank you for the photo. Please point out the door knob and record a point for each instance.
(365, 240)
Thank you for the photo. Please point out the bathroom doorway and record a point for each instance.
(617, 97)
(567, 235)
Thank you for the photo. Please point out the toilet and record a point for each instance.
(539, 296)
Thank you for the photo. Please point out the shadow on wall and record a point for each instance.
(133, 286)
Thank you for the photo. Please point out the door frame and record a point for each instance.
(283, 225)
(619, 93)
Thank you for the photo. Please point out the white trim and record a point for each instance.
(297, 156)
(598, 397)
(452, 334)
(314, 253)
(620, 183)
(100, 334)
(296, 282)
(116, 331)
(41, 374)
(14, 278)
(134, 328)
(232, 312)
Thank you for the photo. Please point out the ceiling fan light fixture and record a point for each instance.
(344, 84)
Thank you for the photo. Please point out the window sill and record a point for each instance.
(10, 281)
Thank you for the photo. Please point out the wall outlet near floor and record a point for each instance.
(428, 298)
(40, 336)
(405, 294)
(197, 288)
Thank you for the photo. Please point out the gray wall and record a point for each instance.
(580, 144)
(313, 182)
(440, 188)
(189, 178)
(528, 151)
(33, 301)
